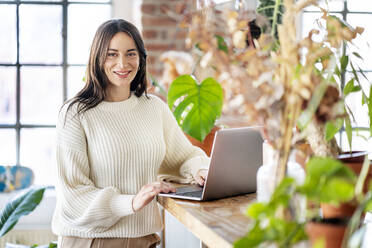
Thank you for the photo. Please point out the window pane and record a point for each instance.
(91, 1)
(41, 94)
(362, 42)
(359, 5)
(8, 37)
(82, 25)
(312, 21)
(354, 101)
(359, 142)
(7, 95)
(40, 33)
(75, 83)
(37, 152)
(333, 5)
(42, 0)
(7, 147)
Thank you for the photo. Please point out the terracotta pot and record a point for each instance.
(341, 211)
(354, 161)
(207, 144)
(330, 230)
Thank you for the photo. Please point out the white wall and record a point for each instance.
(129, 10)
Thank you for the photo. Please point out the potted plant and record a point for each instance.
(327, 180)
(196, 106)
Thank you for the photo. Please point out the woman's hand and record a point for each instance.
(200, 176)
(148, 192)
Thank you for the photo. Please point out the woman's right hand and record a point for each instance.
(148, 192)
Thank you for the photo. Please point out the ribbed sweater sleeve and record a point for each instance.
(181, 158)
(85, 207)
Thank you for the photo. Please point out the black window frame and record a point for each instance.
(344, 12)
(18, 126)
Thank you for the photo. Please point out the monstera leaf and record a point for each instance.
(199, 105)
(18, 207)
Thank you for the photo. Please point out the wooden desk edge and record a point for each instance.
(198, 228)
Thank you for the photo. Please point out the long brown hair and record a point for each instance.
(94, 90)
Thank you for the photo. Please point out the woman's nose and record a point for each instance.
(122, 61)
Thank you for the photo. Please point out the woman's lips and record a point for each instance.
(122, 74)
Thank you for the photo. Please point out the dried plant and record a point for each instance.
(280, 89)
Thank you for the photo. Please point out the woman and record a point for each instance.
(112, 142)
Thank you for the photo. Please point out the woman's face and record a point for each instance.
(122, 60)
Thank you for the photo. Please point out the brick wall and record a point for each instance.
(160, 32)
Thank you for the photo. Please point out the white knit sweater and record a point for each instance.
(106, 155)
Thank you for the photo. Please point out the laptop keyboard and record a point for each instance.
(192, 194)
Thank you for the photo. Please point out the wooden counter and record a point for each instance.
(216, 223)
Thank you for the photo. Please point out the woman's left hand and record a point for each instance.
(200, 176)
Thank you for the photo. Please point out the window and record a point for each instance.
(356, 13)
(44, 46)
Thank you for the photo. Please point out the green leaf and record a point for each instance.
(364, 99)
(354, 72)
(52, 245)
(350, 87)
(357, 55)
(369, 206)
(362, 177)
(221, 44)
(319, 243)
(363, 74)
(344, 61)
(256, 209)
(197, 46)
(350, 112)
(337, 190)
(337, 72)
(253, 238)
(272, 10)
(349, 131)
(283, 188)
(200, 106)
(19, 207)
(332, 128)
(324, 177)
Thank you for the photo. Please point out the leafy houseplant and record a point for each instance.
(195, 106)
(18, 207)
(327, 180)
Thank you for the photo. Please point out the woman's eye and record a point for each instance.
(111, 54)
(132, 54)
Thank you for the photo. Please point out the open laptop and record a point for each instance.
(235, 158)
